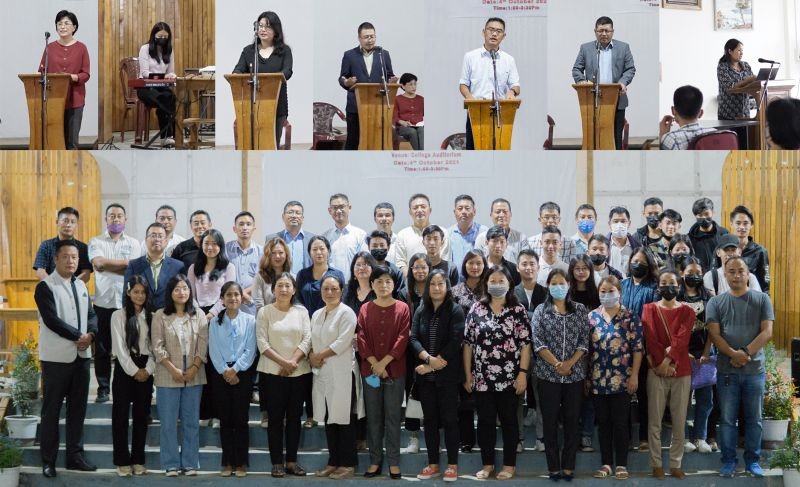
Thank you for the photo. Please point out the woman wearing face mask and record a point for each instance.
(667, 327)
(560, 339)
(680, 250)
(638, 290)
(616, 338)
(695, 295)
(496, 354)
(156, 57)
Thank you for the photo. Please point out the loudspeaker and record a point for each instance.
(796, 364)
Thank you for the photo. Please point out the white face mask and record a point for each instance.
(619, 230)
(609, 300)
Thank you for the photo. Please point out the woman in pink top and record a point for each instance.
(69, 56)
(409, 110)
(156, 57)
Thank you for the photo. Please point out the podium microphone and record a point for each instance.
(46, 35)
(767, 61)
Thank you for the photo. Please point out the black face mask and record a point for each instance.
(162, 41)
(652, 221)
(693, 280)
(639, 270)
(706, 222)
(668, 292)
(598, 259)
(379, 254)
(680, 259)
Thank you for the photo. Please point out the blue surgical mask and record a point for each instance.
(559, 291)
(586, 226)
(373, 381)
(609, 300)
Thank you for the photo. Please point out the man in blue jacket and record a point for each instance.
(155, 266)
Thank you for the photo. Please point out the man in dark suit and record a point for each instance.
(366, 63)
(155, 266)
(615, 66)
(529, 293)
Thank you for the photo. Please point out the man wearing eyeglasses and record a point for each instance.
(155, 265)
(166, 216)
(367, 63)
(477, 72)
(615, 66)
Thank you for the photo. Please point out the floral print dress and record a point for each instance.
(613, 344)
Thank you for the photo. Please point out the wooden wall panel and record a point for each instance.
(192, 23)
(769, 184)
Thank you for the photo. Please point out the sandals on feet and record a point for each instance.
(278, 471)
(602, 472)
(505, 475)
(621, 473)
(483, 474)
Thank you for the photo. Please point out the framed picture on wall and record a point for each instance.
(733, 14)
(683, 4)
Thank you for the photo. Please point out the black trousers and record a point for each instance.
(284, 401)
(342, 437)
(353, 136)
(466, 417)
(641, 398)
(564, 401)
(61, 381)
(128, 394)
(163, 100)
(233, 404)
(611, 412)
(102, 349)
(490, 406)
(619, 126)
(411, 424)
(72, 127)
(470, 140)
(440, 410)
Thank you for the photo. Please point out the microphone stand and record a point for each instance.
(495, 102)
(253, 89)
(762, 105)
(384, 92)
(44, 81)
(596, 93)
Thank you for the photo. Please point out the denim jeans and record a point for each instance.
(748, 390)
(183, 403)
(703, 403)
(384, 410)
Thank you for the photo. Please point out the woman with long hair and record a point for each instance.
(358, 290)
(732, 72)
(156, 59)
(275, 260)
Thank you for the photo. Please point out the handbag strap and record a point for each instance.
(663, 321)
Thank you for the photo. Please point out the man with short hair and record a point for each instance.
(167, 217)
(550, 215)
(669, 222)
(463, 233)
(622, 244)
(383, 214)
(714, 280)
(67, 328)
(650, 231)
(155, 265)
(615, 66)
(67, 223)
(705, 232)
(294, 235)
(756, 256)
(245, 255)
(598, 253)
(687, 108)
(345, 238)
(585, 220)
(109, 253)
(409, 240)
(477, 79)
(551, 241)
(362, 64)
(740, 323)
(497, 243)
(433, 240)
(187, 251)
(500, 214)
(378, 244)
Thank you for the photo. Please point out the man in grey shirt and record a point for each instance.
(740, 325)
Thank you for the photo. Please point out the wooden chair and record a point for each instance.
(129, 69)
(717, 140)
(548, 142)
(455, 142)
(325, 135)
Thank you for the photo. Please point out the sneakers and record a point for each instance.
(204, 422)
(755, 470)
(102, 396)
(255, 398)
(728, 470)
(227, 471)
(241, 472)
(688, 447)
(713, 444)
(124, 471)
(450, 475)
(190, 472)
(214, 423)
(428, 473)
(586, 444)
(520, 446)
(139, 469)
(702, 446)
(539, 445)
(171, 473)
(413, 444)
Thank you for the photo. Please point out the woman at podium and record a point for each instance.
(273, 57)
(732, 71)
(69, 56)
(156, 61)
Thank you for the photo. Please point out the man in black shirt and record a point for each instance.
(44, 264)
(432, 239)
(705, 233)
(187, 250)
(755, 256)
(496, 244)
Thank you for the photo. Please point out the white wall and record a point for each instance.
(692, 59)
(22, 28)
(234, 31)
(570, 24)
(141, 181)
(451, 33)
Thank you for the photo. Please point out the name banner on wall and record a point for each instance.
(498, 8)
(426, 164)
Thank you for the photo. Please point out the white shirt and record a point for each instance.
(108, 286)
(708, 282)
(477, 73)
(409, 242)
(545, 268)
(173, 242)
(620, 256)
(516, 242)
(345, 244)
(119, 345)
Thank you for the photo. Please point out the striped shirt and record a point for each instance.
(679, 139)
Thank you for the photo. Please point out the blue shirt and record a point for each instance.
(246, 264)
(477, 73)
(635, 297)
(345, 244)
(297, 249)
(232, 341)
(606, 71)
(308, 289)
(460, 243)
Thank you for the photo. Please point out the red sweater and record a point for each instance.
(72, 59)
(409, 109)
(381, 332)
(680, 321)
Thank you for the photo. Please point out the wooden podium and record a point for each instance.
(755, 88)
(598, 131)
(482, 123)
(57, 93)
(372, 106)
(265, 109)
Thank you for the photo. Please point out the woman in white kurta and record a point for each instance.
(335, 389)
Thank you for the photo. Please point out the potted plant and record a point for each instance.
(10, 462)
(778, 394)
(787, 457)
(24, 391)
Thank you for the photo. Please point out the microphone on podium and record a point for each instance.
(46, 35)
(767, 61)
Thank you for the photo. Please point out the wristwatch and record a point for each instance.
(744, 349)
